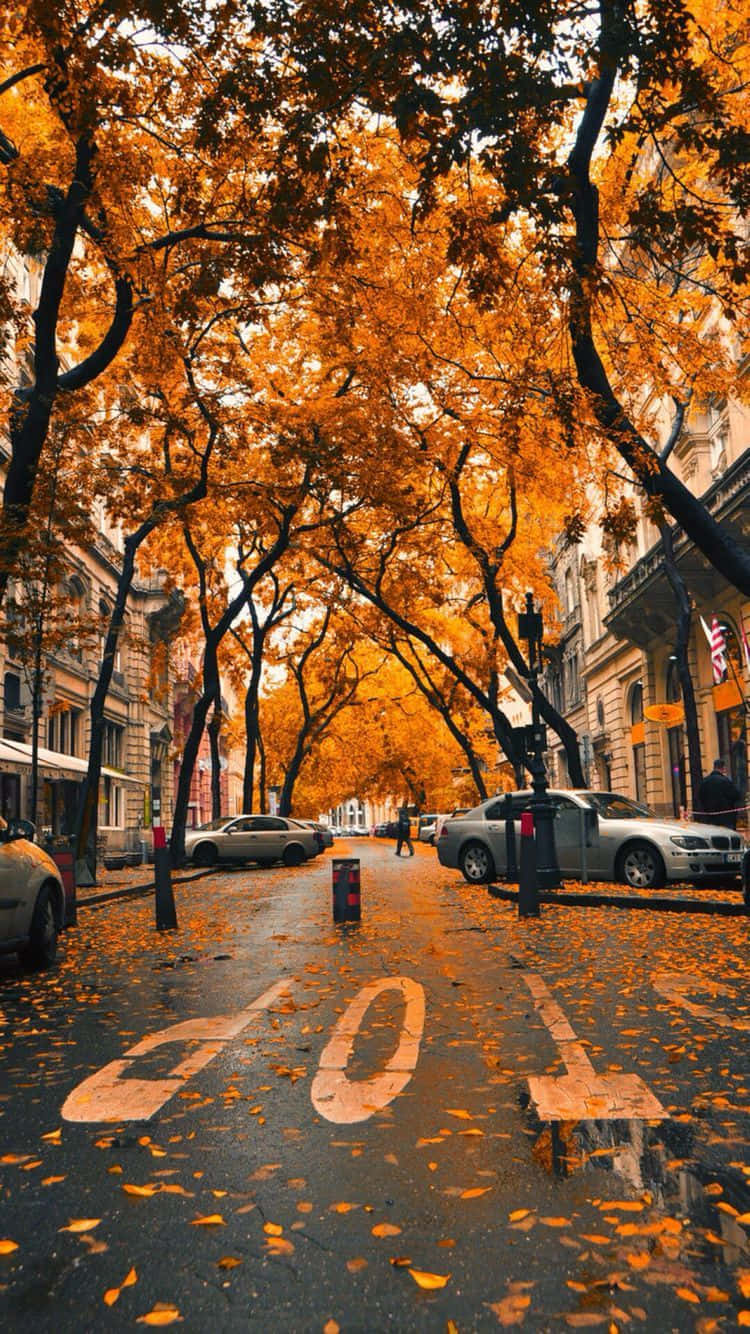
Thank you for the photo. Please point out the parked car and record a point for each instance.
(625, 842)
(441, 819)
(324, 830)
(426, 828)
(381, 830)
(264, 839)
(32, 898)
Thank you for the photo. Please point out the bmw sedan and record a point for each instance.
(264, 839)
(624, 842)
(32, 899)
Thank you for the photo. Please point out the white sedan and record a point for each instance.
(32, 899)
(264, 839)
(623, 840)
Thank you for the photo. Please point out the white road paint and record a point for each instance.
(108, 1095)
(582, 1094)
(675, 986)
(344, 1100)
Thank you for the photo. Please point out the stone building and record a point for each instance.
(616, 653)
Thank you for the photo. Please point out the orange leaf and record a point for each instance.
(229, 1262)
(7, 1246)
(459, 1112)
(146, 1191)
(51, 1181)
(273, 1229)
(687, 1295)
(474, 1192)
(424, 1280)
(385, 1230)
(356, 1264)
(280, 1246)
(517, 1214)
(743, 1279)
(343, 1207)
(638, 1259)
(629, 1206)
(206, 1220)
(596, 1238)
(556, 1222)
(53, 1135)
(511, 1310)
(81, 1225)
(130, 1278)
(111, 1296)
(400, 1261)
(743, 1319)
(160, 1315)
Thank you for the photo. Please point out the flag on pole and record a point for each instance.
(718, 651)
(745, 647)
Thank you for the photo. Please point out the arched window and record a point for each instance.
(638, 740)
(76, 595)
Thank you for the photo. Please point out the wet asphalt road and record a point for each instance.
(608, 1221)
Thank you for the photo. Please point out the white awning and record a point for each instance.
(53, 763)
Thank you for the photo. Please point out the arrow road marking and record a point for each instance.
(673, 987)
(344, 1100)
(108, 1096)
(582, 1094)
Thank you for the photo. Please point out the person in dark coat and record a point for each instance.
(718, 798)
(404, 832)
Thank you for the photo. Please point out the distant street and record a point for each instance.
(442, 1118)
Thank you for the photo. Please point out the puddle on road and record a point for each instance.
(670, 1216)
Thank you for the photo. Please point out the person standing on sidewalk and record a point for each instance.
(718, 798)
(403, 832)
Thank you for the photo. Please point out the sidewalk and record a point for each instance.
(723, 902)
(130, 882)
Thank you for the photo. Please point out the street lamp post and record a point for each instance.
(531, 628)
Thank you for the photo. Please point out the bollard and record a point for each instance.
(166, 913)
(528, 889)
(64, 860)
(346, 889)
(511, 869)
(746, 878)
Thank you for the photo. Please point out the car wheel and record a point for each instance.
(293, 855)
(41, 950)
(477, 865)
(641, 866)
(205, 854)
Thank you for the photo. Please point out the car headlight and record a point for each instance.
(690, 841)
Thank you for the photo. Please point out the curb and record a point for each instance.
(716, 907)
(132, 891)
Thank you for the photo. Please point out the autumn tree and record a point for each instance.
(614, 141)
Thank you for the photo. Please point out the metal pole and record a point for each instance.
(511, 867)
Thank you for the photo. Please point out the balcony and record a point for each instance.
(642, 606)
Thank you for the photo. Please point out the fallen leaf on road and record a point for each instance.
(206, 1220)
(343, 1207)
(51, 1181)
(400, 1261)
(424, 1280)
(385, 1230)
(556, 1222)
(687, 1295)
(273, 1229)
(53, 1135)
(511, 1310)
(356, 1264)
(460, 1112)
(80, 1225)
(518, 1214)
(7, 1246)
(596, 1238)
(629, 1206)
(111, 1296)
(160, 1315)
(474, 1192)
(330, 1327)
(279, 1246)
(228, 1262)
(146, 1191)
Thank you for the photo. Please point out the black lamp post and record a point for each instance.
(531, 628)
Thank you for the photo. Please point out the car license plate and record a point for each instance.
(731, 857)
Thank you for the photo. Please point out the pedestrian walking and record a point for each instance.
(404, 835)
(718, 798)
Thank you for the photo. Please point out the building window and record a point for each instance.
(570, 596)
(12, 691)
(64, 730)
(110, 804)
(112, 745)
(638, 741)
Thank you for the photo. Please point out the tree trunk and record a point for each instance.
(214, 728)
(684, 620)
(252, 723)
(262, 801)
(187, 769)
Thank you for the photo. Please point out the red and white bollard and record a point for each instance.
(347, 906)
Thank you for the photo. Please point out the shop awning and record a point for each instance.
(53, 763)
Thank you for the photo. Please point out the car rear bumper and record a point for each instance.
(447, 856)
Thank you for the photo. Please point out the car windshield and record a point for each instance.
(215, 824)
(611, 806)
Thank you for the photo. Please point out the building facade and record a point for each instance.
(616, 654)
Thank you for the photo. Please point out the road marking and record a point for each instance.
(108, 1096)
(582, 1094)
(673, 987)
(345, 1101)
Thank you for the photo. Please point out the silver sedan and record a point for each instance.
(623, 841)
(32, 899)
(264, 839)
